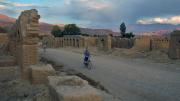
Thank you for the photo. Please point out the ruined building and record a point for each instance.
(174, 48)
(104, 42)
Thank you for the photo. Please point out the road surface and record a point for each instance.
(128, 79)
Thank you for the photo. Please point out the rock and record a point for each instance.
(72, 88)
(39, 73)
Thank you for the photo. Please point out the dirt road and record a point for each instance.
(129, 79)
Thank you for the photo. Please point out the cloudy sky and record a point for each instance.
(100, 13)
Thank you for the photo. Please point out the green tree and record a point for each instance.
(123, 29)
(129, 35)
(71, 29)
(56, 31)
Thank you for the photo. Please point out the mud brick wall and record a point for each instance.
(104, 42)
(159, 44)
(122, 42)
(29, 54)
(174, 50)
(142, 43)
(26, 56)
(3, 38)
(90, 41)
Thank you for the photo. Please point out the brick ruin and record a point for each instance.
(104, 42)
(23, 39)
(118, 42)
(174, 48)
(76, 41)
(3, 43)
(149, 43)
(159, 43)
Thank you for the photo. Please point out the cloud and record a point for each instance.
(91, 4)
(16, 4)
(174, 20)
(101, 13)
(2, 7)
(22, 5)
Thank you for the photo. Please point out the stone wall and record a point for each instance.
(174, 50)
(53, 42)
(70, 41)
(148, 43)
(118, 42)
(3, 38)
(142, 43)
(3, 43)
(74, 41)
(159, 43)
(104, 42)
(24, 36)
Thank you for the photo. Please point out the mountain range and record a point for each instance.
(46, 28)
(151, 29)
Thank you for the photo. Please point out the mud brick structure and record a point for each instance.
(104, 42)
(76, 41)
(118, 42)
(3, 43)
(24, 39)
(174, 48)
(3, 38)
(142, 43)
(72, 88)
(159, 43)
(73, 40)
(39, 73)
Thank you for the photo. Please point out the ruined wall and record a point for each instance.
(142, 43)
(104, 42)
(3, 43)
(118, 42)
(3, 38)
(148, 43)
(90, 41)
(23, 36)
(174, 47)
(70, 41)
(159, 44)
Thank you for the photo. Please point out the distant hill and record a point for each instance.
(45, 28)
(5, 20)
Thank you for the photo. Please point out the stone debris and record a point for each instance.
(39, 73)
(72, 88)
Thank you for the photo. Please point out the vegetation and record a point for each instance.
(85, 34)
(129, 35)
(56, 31)
(71, 29)
(123, 32)
(123, 29)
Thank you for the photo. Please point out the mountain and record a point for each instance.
(97, 31)
(5, 20)
(45, 28)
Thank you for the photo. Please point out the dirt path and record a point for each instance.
(131, 80)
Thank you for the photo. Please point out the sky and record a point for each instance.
(107, 14)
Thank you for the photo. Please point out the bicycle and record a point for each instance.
(88, 64)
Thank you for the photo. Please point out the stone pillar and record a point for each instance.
(109, 42)
(27, 31)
